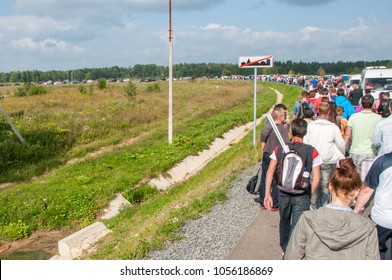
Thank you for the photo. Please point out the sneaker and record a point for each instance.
(263, 207)
(274, 209)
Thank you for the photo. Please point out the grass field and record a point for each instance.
(134, 133)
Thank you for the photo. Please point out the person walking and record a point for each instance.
(292, 205)
(379, 180)
(325, 136)
(301, 105)
(341, 100)
(355, 96)
(382, 137)
(360, 129)
(383, 108)
(335, 231)
(269, 141)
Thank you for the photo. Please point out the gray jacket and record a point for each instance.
(332, 234)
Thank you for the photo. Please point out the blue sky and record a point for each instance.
(63, 35)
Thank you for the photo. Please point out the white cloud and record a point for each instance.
(212, 26)
(44, 46)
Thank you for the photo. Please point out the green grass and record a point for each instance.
(159, 219)
(71, 196)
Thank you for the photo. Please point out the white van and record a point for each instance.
(377, 79)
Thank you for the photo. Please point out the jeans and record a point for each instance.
(322, 192)
(384, 234)
(275, 191)
(291, 208)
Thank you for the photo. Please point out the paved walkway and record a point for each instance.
(261, 239)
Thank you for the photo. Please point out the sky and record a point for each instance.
(64, 35)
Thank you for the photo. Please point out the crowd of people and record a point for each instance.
(343, 138)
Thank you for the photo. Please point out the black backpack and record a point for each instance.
(383, 108)
(254, 183)
(294, 168)
(304, 109)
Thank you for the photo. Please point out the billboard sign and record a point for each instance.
(256, 61)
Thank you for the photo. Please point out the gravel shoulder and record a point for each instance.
(215, 234)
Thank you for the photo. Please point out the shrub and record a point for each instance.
(82, 89)
(36, 90)
(130, 89)
(30, 89)
(102, 83)
(155, 87)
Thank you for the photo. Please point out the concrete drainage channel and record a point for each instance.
(75, 244)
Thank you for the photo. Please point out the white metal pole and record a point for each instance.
(170, 128)
(12, 125)
(254, 107)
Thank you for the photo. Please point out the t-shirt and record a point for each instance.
(363, 125)
(379, 178)
(268, 136)
(354, 96)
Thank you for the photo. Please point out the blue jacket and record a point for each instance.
(348, 108)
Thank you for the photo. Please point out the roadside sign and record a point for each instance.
(256, 61)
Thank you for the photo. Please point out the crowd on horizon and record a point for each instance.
(345, 138)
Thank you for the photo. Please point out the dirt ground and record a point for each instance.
(40, 245)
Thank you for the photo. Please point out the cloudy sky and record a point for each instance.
(73, 34)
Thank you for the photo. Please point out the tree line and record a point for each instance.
(192, 70)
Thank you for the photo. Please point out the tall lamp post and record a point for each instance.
(170, 132)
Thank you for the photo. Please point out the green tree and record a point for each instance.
(226, 72)
(89, 76)
(4, 77)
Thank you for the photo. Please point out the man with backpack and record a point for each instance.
(269, 140)
(302, 106)
(292, 171)
(383, 108)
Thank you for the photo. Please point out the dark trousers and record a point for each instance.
(384, 234)
(275, 191)
(291, 208)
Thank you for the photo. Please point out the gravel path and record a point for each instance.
(215, 234)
